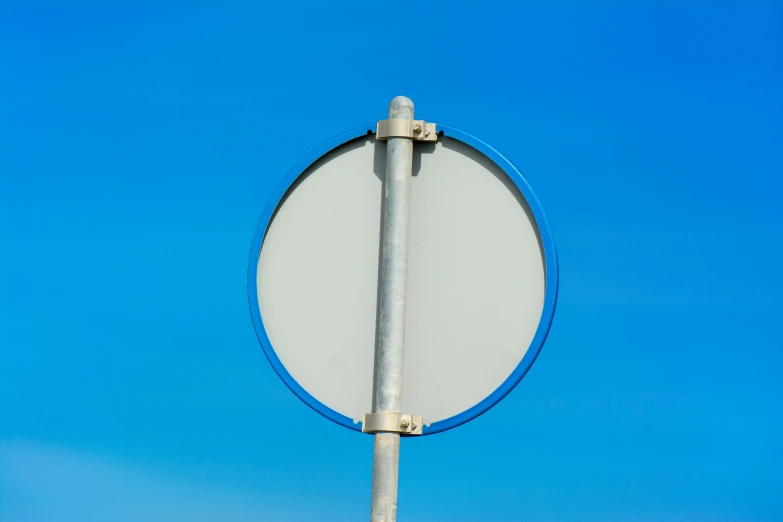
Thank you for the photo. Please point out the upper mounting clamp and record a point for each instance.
(417, 130)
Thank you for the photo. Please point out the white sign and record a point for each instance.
(482, 278)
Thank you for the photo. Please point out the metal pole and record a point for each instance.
(387, 395)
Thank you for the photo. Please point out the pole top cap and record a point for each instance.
(401, 108)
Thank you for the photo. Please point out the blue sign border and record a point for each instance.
(550, 294)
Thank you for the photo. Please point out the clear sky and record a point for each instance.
(139, 142)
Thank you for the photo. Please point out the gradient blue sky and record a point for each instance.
(139, 142)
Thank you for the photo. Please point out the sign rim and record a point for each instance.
(551, 280)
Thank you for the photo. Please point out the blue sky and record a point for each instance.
(139, 142)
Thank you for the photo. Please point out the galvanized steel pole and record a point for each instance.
(387, 395)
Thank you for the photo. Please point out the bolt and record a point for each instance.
(413, 425)
(404, 423)
(417, 128)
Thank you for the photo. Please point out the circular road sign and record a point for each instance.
(482, 278)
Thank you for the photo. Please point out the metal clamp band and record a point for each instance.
(392, 422)
(418, 130)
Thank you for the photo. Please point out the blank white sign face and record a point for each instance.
(476, 279)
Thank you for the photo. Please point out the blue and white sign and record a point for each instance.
(482, 278)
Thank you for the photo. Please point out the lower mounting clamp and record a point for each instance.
(392, 422)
